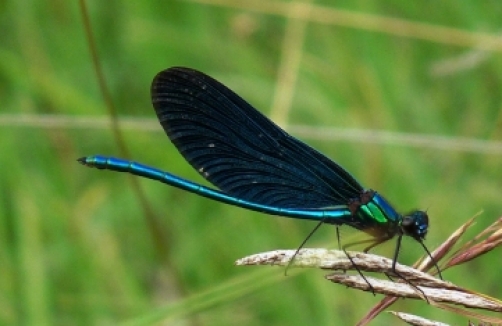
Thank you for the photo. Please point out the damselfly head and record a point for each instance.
(415, 225)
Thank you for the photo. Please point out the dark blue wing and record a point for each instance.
(242, 152)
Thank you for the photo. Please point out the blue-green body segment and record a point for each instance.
(110, 163)
(257, 165)
(375, 213)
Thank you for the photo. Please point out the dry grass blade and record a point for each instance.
(416, 320)
(478, 246)
(403, 290)
(377, 309)
(439, 293)
(436, 290)
(470, 250)
(337, 260)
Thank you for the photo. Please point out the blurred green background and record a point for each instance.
(78, 247)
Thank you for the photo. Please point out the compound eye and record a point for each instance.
(415, 224)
